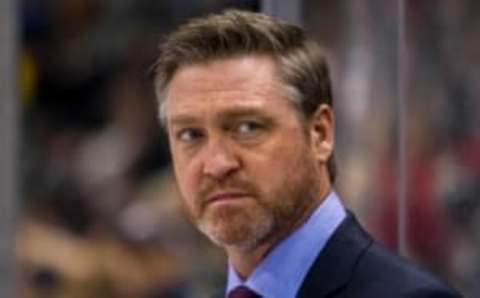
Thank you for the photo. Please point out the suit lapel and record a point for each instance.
(332, 269)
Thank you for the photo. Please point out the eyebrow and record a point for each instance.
(239, 112)
(229, 113)
(182, 119)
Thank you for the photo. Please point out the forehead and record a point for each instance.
(228, 72)
(245, 80)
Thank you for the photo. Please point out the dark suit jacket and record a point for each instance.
(353, 265)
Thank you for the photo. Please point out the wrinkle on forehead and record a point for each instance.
(224, 82)
(225, 73)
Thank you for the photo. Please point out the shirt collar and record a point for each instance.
(282, 271)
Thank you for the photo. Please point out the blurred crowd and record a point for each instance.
(101, 215)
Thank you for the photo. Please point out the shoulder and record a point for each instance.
(354, 265)
(382, 273)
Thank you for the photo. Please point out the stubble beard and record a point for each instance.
(239, 228)
(263, 219)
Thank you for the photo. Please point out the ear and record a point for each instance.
(322, 133)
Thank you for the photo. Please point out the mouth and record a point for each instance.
(226, 197)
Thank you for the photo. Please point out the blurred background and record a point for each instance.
(96, 210)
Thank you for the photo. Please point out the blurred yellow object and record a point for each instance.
(27, 77)
(53, 263)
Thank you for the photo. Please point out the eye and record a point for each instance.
(249, 127)
(189, 135)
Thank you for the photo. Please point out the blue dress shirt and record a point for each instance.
(282, 271)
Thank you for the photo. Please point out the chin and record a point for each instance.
(245, 235)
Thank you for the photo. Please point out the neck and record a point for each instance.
(245, 262)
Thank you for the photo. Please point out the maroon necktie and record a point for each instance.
(243, 292)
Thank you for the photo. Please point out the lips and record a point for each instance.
(225, 197)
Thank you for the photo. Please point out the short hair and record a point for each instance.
(301, 64)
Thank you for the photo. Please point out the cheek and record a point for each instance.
(271, 167)
(187, 179)
(277, 167)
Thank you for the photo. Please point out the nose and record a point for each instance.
(219, 160)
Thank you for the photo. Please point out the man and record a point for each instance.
(247, 104)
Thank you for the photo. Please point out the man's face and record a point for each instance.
(242, 159)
